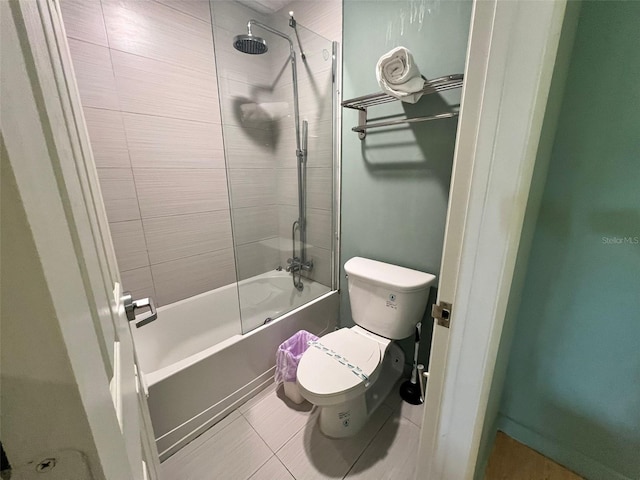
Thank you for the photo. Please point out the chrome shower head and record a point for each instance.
(250, 44)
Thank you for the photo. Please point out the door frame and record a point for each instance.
(50, 157)
(510, 61)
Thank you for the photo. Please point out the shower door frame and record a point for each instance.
(337, 164)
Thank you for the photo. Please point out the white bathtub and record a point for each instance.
(197, 364)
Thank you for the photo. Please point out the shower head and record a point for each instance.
(250, 44)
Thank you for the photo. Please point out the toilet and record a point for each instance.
(349, 372)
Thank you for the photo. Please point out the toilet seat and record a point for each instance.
(339, 367)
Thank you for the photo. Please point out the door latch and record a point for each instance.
(131, 305)
(441, 311)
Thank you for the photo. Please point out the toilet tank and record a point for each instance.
(386, 299)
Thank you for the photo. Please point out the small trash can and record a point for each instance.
(287, 359)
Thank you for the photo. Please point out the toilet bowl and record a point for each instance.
(349, 372)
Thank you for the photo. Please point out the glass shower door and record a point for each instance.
(266, 188)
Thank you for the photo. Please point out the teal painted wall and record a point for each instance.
(572, 389)
(395, 184)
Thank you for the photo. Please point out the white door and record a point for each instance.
(56, 174)
(510, 59)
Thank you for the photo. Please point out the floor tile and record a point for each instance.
(205, 437)
(392, 454)
(257, 398)
(311, 455)
(272, 470)
(234, 451)
(277, 419)
(413, 413)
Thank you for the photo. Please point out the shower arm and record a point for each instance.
(294, 73)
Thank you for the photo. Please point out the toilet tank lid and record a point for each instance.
(400, 279)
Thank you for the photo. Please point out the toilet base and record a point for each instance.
(347, 418)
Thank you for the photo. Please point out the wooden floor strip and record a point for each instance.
(511, 460)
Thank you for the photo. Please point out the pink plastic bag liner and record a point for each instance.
(289, 354)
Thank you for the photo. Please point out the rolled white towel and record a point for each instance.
(398, 75)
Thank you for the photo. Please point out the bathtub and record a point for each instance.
(198, 366)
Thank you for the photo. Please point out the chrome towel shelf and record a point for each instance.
(361, 104)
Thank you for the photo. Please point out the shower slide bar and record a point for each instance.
(361, 104)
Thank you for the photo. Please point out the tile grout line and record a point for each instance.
(296, 432)
(265, 462)
(275, 453)
(131, 112)
(126, 140)
(257, 433)
(369, 443)
(181, 454)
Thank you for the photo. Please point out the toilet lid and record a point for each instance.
(338, 362)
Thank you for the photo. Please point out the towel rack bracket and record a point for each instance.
(362, 120)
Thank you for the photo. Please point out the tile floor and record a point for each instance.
(270, 438)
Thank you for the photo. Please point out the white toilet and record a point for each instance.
(347, 373)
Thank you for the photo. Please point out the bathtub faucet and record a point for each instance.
(296, 265)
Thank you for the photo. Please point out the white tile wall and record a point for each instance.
(108, 139)
(158, 88)
(321, 265)
(83, 21)
(178, 236)
(288, 186)
(255, 223)
(158, 142)
(161, 64)
(250, 188)
(196, 8)
(319, 188)
(147, 76)
(119, 194)
(177, 191)
(92, 65)
(257, 257)
(128, 240)
(249, 147)
(190, 276)
(154, 30)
